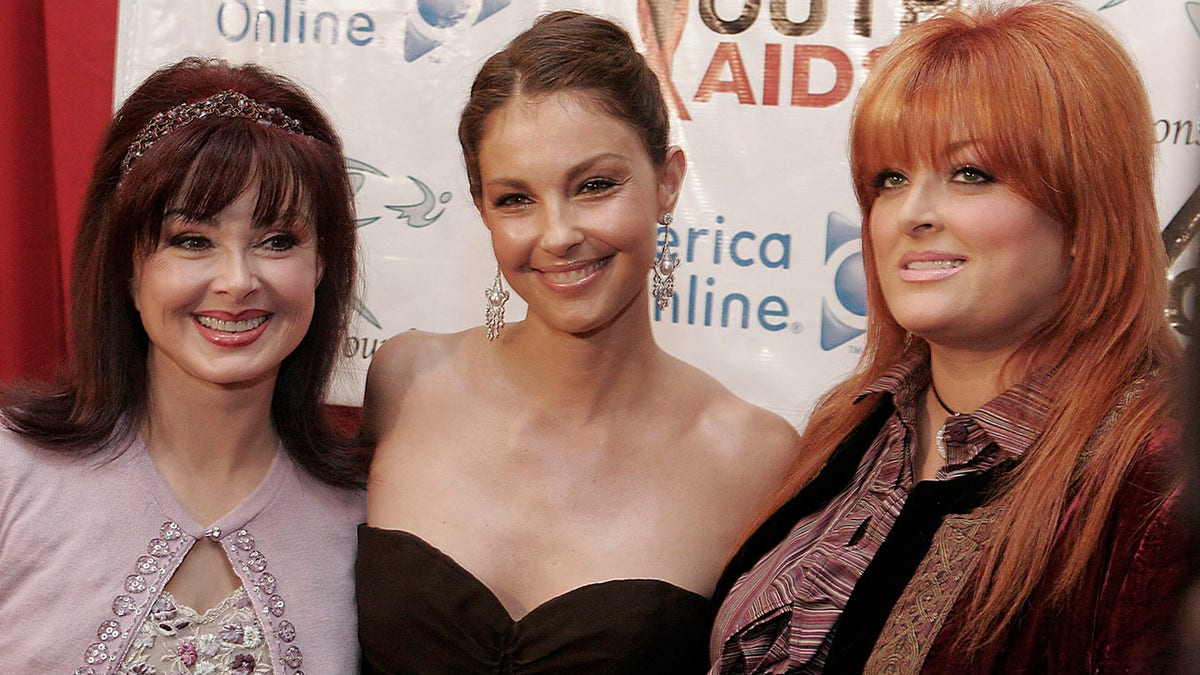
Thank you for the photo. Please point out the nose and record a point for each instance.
(559, 230)
(920, 207)
(237, 274)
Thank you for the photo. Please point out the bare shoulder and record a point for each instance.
(399, 355)
(400, 367)
(750, 444)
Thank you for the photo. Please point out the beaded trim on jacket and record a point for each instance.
(222, 104)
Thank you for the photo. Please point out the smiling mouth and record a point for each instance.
(569, 276)
(934, 264)
(224, 326)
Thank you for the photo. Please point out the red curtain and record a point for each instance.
(56, 83)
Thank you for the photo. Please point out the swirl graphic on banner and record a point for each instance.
(418, 214)
(661, 23)
(358, 177)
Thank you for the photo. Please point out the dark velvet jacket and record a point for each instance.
(1119, 619)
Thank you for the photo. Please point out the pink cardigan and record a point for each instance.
(87, 544)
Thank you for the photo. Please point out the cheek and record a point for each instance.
(877, 241)
(299, 278)
(156, 284)
(638, 236)
(1026, 236)
(630, 226)
(510, 241)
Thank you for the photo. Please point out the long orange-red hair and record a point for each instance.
(1057, 109)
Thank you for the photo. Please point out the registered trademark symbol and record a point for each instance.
(797, 327)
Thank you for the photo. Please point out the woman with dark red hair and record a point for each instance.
(177, 502)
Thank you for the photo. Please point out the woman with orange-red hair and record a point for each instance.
(994, 488)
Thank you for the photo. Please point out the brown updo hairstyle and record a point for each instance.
(563, 51)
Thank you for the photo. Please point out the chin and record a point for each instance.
(243, 378)
(924, 327)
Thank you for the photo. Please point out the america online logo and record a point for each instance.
(432, 22)
(290, 21)
(845, 319)
(700, 300)
(429, 24)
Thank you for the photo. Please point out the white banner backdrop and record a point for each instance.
(771, 291)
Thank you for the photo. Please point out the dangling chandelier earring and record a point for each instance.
(664, 267)
(494, 316)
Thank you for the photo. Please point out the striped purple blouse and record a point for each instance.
(780, 616)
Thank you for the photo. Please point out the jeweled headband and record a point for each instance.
(222, 104)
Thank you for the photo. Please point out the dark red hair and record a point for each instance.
(202, 166)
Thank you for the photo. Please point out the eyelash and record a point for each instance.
(189, 242)
(280, 242)
(276, 243)
(587, 187)
(509, 200)
(984, 177)
(882, 178)
(597, 185)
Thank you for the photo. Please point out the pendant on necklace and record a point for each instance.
(939, 442)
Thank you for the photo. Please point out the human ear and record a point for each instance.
(670, 178)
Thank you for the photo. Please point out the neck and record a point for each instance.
(211, 444)
(966, 380)
(590, 375)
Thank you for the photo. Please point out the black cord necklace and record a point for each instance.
(939, 440)
(939, 399)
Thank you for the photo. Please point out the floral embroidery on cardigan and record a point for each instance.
(141, 588)
(177, 640)
(253, 563)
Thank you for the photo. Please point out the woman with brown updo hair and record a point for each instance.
(558, 495)
(996, 487)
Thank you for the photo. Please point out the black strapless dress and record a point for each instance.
(421, 612)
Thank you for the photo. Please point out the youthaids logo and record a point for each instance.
(802, 47)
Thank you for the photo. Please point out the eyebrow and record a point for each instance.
(956, 146)
(180, 213)
(286, 217)
(586, 165)
(573, 173)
